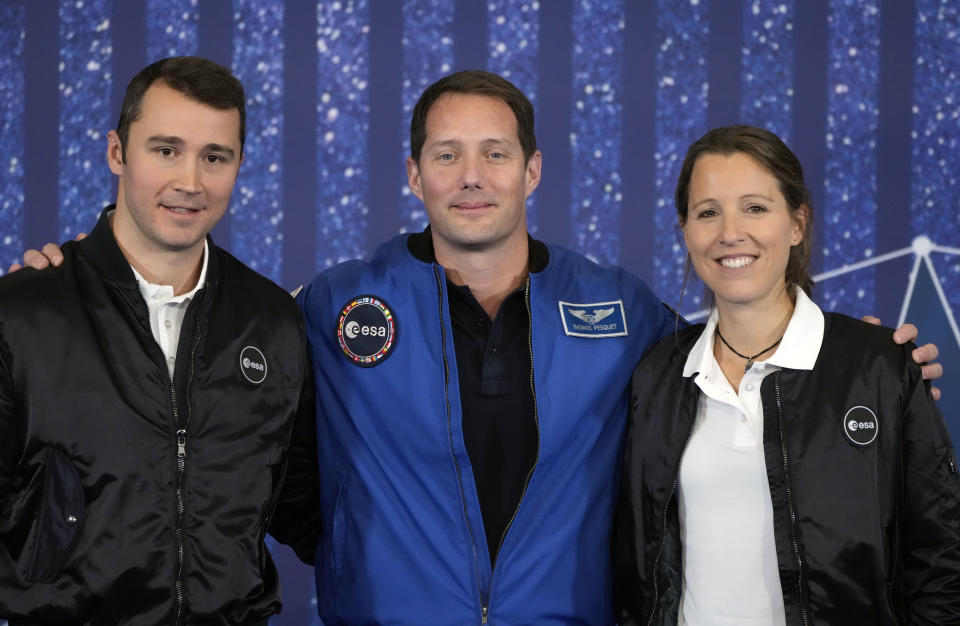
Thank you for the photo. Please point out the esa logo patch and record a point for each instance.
(596, 319)
(253, 365)
(366, 330)
(861, 425)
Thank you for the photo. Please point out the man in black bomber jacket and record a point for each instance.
(149, 387)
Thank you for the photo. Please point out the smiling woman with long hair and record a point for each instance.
(782, 465)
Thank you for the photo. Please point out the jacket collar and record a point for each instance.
(153, 291)
(101, 248)
(800, 346)
(797, 350)
(420, 246)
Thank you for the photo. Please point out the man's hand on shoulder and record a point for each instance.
(48, 255)
(924, 355)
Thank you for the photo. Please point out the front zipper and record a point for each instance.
(180, 440)
(793, 515)
(663, 535)
(536, 460)
(180, 451)
(181, 444)
(446, 400)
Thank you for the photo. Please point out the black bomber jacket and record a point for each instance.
(865, 533)
(125, 497)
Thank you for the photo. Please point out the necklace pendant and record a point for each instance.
(749, 365)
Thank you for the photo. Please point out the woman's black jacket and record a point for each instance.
(867, 528)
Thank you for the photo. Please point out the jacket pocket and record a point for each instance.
(59, 518)
(949, 474)
(279, 475)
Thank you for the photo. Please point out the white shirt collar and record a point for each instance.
(797, 350)
(152, 291)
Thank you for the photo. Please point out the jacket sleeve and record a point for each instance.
(931, 515)
(296, 520)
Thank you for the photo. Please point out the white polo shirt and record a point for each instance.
(167, 311)
(730, 573)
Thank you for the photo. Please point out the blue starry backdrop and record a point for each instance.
(865, 91)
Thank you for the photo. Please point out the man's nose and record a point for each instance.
(472, 172)
(188, 177)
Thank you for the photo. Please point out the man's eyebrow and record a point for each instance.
(170, 140)
(215, 147)
(492, 141)
(167, 139)
(444, 143)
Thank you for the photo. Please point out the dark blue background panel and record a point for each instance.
(866, 92)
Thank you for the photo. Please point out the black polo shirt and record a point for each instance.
(496, 391)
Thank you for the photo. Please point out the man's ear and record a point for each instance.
(114, 153)
(533, 171)
(413, 178)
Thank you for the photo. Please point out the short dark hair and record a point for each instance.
(770, 152)
(197, 78)
(481, 83)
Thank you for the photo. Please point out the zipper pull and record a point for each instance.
(483, 614)
(181, 443)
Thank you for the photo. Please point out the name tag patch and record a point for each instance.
(594, 319)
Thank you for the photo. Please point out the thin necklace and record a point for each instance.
(744, 356)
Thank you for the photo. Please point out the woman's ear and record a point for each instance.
(799, 224)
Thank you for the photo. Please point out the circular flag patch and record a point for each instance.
(366, 330)
(861, 425)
